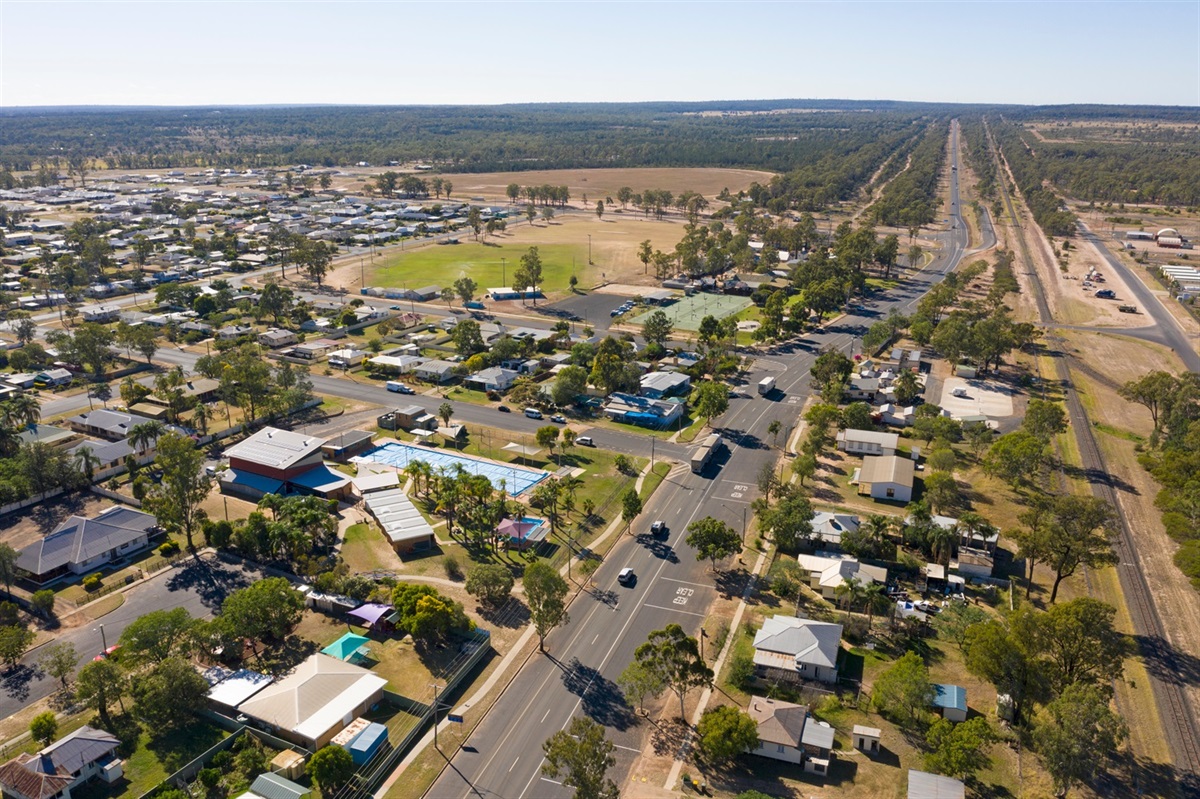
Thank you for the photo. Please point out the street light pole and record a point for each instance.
(589, 248)
(103, 640)
(503, 263)
(436, 708)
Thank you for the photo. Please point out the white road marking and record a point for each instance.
(543, 721)
(674, 610)
(684, 582)
(514, 765)
(547, 779)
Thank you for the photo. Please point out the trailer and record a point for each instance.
(705, 452)
(1127, 308)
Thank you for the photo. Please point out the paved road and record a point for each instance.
(198, 586)
(607, 623)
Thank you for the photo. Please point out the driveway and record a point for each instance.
(199, 585)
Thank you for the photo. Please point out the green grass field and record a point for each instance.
(442, 265)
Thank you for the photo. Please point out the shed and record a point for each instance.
(273, 786)
(866, 739)
(922, 785)
(368, 742)
(289, 764)
(951, 700)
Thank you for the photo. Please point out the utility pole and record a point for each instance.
(503, 263)
(436, 709)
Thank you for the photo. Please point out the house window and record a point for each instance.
(891, 492)
(780, 748)
(819, 768)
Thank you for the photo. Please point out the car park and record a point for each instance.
(626, 577)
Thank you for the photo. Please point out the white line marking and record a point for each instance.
(543, 721)
(547, 779)
(514, 765)
(685, 582)
(674, 610)
(628, 748)
(597, 638)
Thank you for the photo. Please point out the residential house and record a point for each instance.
(867, 442)
(410, 417)
(787, 732)
(643, 411)
(922, 785)
(52, 378)
(274, 786)
(862, 389)
(46, 434)
(346, 358)
(312, 704)
(67, 763)
(659, 385)
(100, 313)
(109, 456)
(275, 337)
(887, 477)
(788, 649)
(950, 701)
(434, 371)
(828, 527)
(827, 573)
(894, 416)
(232, 332)
(395, 364)
(494, 378)
(203, 328)
(315, 349)
(106, 424)
(230, 688)
(80, 545)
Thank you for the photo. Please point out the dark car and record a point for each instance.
(504, 409)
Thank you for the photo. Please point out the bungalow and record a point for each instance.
(867, 442)
(315, 349)
(827, 573)
(203, 328)
(828, 527)
(67, 763)
(643, 411)
(395, 364)
(791, 650)
(52, 378)
(100, 313)
(894, 416)
(276, 338)
(106, 424)
(80, 545)
(887, 477)
(494, 378)
(950, 701)
(435, 371)
(862, 389)
(659, 385)
(787, 732)
(346, 358)
(232, 332)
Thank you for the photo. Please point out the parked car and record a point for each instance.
(394, 308)
(558, 417)
(533, 413)
(107, 653)
(585, 441)
(504, 409)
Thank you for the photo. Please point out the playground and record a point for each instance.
(686, 314)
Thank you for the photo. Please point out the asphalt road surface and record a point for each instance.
(608, 621)
(197, 585)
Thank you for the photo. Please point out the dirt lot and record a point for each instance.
(598, 184)
(23, 528)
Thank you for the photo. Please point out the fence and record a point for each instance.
(12, 507)
(184, 775)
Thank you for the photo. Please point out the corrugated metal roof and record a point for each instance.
(275, 448)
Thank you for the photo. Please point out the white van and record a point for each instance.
(959, 392)
(533, 413)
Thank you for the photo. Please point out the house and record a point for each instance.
(106, 424)
(275, 338)
(950, 701)
(46, 434)
(410, 417)
(201, 389)
(401, 522)
(658, 385)
(343, 447)
(862, 389)
(346, 358)
(894, 416)
(867, 442)
(100, 313)
(313, 703)
(65, 764)
(232, 332)
(827, 573)
(107, 454)
(230, 688)
(922, 785)
(828, 527)
(435, 371)
(52, 378)
(395, 364)
(887, 477)
(788, 649)
(494, 378)
(315, 349)
(643, 411)
(269, 785)
(787, 732)
(80, 545)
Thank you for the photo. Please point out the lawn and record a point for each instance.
(364, 550)
(489, 265)
(154, 759)
(654, 480)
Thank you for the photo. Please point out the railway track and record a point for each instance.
(1178, 719)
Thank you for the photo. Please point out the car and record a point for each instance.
(615, 312)
(533, 413)
(394, 308)
(558, 417)
(107, 653)
(659, 527)
(585, 441)
(626, 577)
(504, 409)
(407, 390)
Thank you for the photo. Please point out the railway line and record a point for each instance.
(1178, 719)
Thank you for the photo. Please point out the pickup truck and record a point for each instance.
(1127, 308)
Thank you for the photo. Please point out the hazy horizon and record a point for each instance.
(217, 53)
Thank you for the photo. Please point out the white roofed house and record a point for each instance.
(788, 649)
(827, 573)
(828, 527)
(494, 378)
(867, 442)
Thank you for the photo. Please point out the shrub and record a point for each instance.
(453, 567)
(91, 582)
(623, 464)
(169, 548)
(209, 777)
(43, 602)
(741, 670)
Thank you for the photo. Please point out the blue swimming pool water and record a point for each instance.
(517, 479)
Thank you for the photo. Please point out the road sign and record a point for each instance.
(454, 718)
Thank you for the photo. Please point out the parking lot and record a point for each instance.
(990, 399)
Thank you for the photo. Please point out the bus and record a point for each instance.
(704, 453)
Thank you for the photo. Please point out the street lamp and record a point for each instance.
(103, 640)
(503, 263)
(589, 248)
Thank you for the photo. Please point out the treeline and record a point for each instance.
(1174, 457)
(979, 156)
(470, 139)
(910, 200)
(1047, 208)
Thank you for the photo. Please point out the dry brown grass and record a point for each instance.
(598, 184)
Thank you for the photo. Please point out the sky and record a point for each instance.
(242, 52)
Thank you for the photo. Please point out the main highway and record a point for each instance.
(608, 621)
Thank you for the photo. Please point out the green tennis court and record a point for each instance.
(686, 313)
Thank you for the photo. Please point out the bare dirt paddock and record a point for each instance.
(598, 184)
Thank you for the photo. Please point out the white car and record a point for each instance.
(626, 577)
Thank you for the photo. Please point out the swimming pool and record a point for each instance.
(517, 479)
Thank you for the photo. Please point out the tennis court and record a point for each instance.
(686, 313)
(517, 479)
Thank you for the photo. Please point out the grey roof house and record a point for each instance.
(790, 650)
(65, 764)
(80, 545)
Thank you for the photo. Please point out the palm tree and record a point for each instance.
(21, 411)
(200, 418)
(849, 593)
(941, 542)
(142, 436)
(87, 462)
(876, 600)
(446, 411)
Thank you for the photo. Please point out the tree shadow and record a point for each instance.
(288, 654)
(48, 515)
(659, 548)
(16, 680)
(1166, 663)
(669, 737)
(732, 582)
(605, 595)
(602, 700)
(212, 580)
(512, 614)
